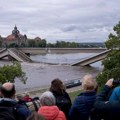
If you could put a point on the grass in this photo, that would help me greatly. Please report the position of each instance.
(74, 94)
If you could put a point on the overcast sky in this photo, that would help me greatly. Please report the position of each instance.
(70, 20)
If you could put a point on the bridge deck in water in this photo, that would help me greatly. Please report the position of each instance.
(92, 59)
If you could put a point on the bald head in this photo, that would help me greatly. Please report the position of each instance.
(8, 90)
(8, 86)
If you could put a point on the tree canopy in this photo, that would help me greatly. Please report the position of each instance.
(8, 73)
(112, 61)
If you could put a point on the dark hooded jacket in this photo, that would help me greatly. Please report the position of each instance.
(63, 102)
(21, 109)
(107, 110)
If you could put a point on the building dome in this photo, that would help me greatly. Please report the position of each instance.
(15, 31)
(15, 34)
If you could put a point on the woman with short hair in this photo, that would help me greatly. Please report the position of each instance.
(48, 108)
(84, 102)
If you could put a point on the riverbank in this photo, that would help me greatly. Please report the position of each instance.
(37, 93)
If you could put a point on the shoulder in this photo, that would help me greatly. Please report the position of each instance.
(61, 115)
(78, 101)
(117, 89)
(84, 98)
(23, 110)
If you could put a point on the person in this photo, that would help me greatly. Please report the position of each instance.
(48, 108)
(63, 100)
(8, 93)
(115, 95)
(19, 99)
(105, 109)
(34, 104)
(35, 116)
(84, 102)
(27, 97)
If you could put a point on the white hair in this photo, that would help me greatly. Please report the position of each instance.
(88, 82)
(47, 99)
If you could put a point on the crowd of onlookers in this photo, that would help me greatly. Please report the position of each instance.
(56, 104)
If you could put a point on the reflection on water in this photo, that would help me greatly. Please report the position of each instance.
(40, 74)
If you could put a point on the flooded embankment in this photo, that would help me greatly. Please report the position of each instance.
(41, 74)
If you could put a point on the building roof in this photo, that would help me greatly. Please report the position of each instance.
(37, 38)
(12, 37)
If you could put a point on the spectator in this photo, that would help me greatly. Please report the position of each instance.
(8, 100)
(48, 108)
(19, 98)
(32, 104)
(107, 110)
(115, 94)
(62, 98)
(84, 102)
(27, 97)
(35, 116)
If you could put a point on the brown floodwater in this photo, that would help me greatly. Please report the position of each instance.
(41, 74)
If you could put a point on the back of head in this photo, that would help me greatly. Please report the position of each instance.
(89, 83)
(7, 90)
(19, 96)
(47, 99)
(57, 86)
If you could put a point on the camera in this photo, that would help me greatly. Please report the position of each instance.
(116, 82)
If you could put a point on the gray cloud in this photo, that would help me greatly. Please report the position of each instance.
(70, 20)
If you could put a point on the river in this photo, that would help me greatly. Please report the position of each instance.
(40, 74)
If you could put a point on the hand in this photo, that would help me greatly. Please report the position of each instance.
(109, 82)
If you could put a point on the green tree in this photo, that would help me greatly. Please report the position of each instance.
(13, 45)
(112, 61)
(8, 73)
(42, 43)
(31, 43)
(64, 44)
(50, 45)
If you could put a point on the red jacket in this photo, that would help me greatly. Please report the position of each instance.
(51, 113)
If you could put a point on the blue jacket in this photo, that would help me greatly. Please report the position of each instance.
(108, 110)
(82, 106)
(115, 94)
(22, 110)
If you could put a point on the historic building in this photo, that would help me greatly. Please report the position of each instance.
(16, 38)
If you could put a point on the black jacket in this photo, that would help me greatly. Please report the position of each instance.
(63, 102)
(108, 110)
(22, 110)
